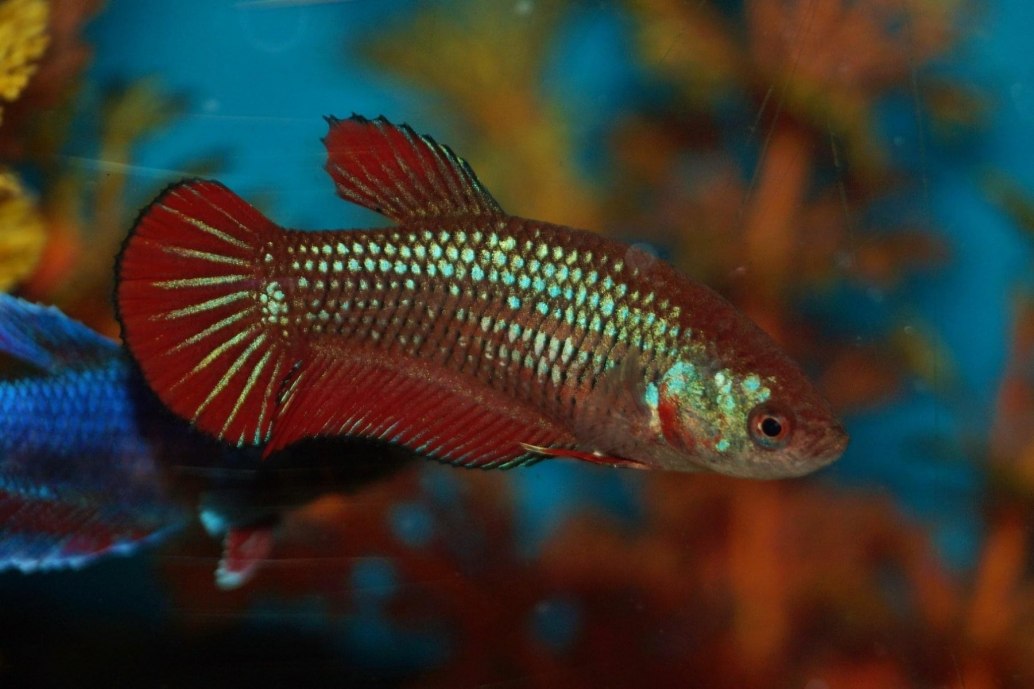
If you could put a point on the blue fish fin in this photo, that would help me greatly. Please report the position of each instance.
(48, 339)
(41, 532)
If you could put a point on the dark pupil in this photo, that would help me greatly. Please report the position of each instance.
(771, 427)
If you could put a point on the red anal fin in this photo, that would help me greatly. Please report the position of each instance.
(393, 170)
(197, 312)
(431, 411)
(593, 457)
(244, 551)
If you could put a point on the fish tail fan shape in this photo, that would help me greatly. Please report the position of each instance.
(199, 311)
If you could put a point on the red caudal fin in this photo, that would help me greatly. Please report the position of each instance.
(393, 170)
(190, 294)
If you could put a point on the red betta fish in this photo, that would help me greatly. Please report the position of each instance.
(471, 336)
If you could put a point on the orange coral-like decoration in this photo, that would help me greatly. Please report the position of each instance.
(23, 39)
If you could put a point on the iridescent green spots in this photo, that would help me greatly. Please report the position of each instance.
(542, 251)
(375, 248)
(507, 278)
(515, 332)
(410, 284)
(722, 445)
(476, 273)
(302, 282)
(554, 291)
(400, 267)
(452, 253)
(751, 384)
(508, 244)
(523, 281)
(309, 265)
(651, 395)
(467, 254)
(538, 284)
(341, 248)
(549, 270)
(436, 252)
(445, 268)
(681, 379)
(542, 307)
(516, 262)
(370, 264)
(539, 344)
(353, 264)
(607, 305)
(513, 302)
(454, 290)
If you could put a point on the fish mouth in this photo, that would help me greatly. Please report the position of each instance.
(830, 447)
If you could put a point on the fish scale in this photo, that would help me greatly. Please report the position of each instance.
(473, 336)
(473, 315)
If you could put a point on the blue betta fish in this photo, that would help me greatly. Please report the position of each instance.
(89, 459)
(79, 435)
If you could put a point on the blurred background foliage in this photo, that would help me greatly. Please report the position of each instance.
(785, 152)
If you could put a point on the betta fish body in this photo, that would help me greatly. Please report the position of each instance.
(471, 336)
(79, 477)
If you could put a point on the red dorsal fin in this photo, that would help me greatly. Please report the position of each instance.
(393, 170)
(190, 289)
(431, 411)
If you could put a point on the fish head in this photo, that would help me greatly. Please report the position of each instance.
(764, 421)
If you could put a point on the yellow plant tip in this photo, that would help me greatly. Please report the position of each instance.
(22, 233)
(23, 40)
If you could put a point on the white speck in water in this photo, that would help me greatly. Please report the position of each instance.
(522, 8)
(899, 141)
(211, 105)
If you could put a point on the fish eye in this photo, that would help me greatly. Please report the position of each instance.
(770, 428)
